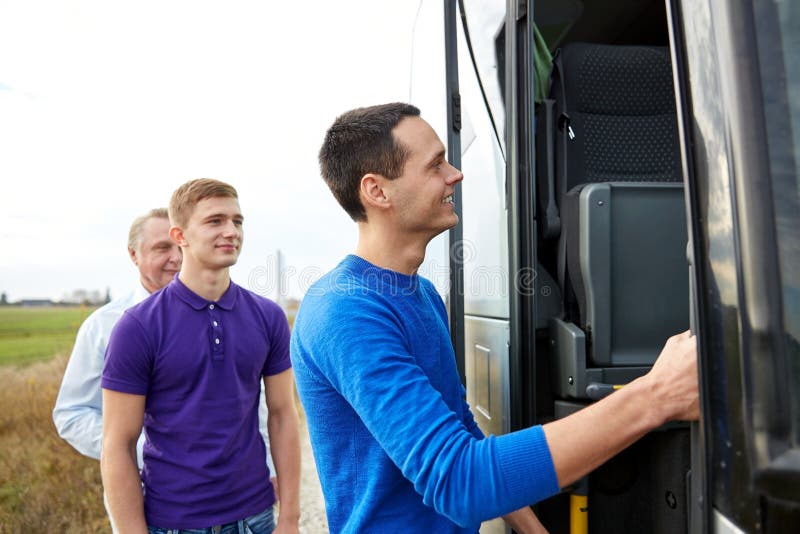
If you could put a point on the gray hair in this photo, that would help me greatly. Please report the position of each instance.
(135, 233)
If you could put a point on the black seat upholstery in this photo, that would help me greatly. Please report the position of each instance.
(611, 194)
(612, 119)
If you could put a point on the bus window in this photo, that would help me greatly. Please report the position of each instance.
(778, 35)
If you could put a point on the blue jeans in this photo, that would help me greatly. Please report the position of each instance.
(263, 523)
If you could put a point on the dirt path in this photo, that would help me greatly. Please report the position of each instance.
(312, 504)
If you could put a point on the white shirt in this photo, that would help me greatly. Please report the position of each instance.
(78, 413)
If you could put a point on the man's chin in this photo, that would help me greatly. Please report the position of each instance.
(452, 224)
(442, 229)
(227, 262)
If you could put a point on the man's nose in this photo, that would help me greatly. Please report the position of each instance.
(230, 229)
(455, 175)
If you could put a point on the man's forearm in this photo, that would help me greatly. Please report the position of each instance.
(588, 438)
(525, 521)
(123, 487)
(284, 437)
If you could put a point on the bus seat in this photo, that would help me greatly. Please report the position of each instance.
(610, 117)
(627, 267)
(611, 195)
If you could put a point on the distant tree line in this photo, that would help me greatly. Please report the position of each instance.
(78, 297)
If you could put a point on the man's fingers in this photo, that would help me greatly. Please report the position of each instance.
(688, 341)
(683, 336)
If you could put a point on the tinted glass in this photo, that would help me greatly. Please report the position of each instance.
(778, 27)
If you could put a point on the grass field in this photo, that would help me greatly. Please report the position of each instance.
(33, 334)
(45, 485)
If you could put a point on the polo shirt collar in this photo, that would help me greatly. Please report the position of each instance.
(226, 301)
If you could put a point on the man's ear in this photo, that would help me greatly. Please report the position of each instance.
(372, 192)
(176, 234)
(132, 254)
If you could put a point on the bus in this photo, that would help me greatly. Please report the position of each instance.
(631, 171)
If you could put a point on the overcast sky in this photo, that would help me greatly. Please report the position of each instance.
(106, 107)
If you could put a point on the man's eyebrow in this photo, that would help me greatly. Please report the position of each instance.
(436, 157)
(236, 216)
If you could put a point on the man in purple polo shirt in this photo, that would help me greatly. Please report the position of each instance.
(186, 365)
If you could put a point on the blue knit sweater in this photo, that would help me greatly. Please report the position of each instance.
(395, 443)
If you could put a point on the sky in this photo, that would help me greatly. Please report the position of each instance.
(107, 106)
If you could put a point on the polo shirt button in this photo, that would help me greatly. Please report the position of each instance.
(215, 323)
(216, 341)
(210, 306)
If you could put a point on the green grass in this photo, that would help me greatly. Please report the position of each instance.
(33, 334)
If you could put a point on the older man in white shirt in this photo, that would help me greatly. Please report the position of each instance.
(78, 413)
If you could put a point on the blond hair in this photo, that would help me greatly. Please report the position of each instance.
(186, 197)
(135, 233)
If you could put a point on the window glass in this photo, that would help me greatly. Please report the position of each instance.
(778, 28)
(485, 25)
(485, 219)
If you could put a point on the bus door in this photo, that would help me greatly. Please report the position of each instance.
(611, 235)
(738, 76)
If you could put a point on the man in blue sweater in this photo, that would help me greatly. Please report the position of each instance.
(395, 443)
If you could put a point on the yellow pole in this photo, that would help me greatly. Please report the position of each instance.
(579, 508)
(578, 514)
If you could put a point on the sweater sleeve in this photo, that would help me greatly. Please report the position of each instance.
(361, 351)
(469, 418)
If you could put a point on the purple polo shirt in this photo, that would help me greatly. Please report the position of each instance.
(199, 364)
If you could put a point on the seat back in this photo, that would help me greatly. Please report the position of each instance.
(627, 266)
(615, 178)
(610, 117)
(616, 115)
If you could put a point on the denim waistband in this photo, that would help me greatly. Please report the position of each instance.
(258, 523)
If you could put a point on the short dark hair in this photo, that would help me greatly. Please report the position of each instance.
(360, 141)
